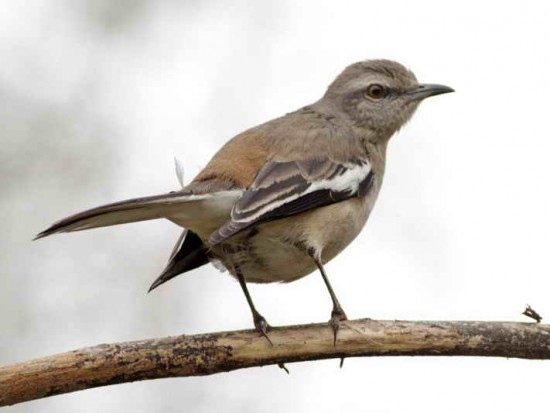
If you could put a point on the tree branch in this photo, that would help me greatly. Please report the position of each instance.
(204, 354)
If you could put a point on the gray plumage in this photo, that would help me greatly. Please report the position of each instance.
(280, 199)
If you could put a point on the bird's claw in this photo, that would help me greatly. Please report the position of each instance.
(336, 316)
(262, 326)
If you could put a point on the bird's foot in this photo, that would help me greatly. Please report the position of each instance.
(262, 326)
(337, 316)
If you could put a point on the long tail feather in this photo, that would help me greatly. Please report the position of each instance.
(132, 210)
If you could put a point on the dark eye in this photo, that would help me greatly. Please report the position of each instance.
(375, 91)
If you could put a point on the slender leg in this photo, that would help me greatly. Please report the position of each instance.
(259, 321)
(338, 313)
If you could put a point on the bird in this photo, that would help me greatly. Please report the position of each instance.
(280, 200)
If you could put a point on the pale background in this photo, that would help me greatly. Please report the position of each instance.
(96, 97)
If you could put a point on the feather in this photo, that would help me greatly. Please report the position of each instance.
(187, 208)
(189, 253)
(283, 189)
(179, 171)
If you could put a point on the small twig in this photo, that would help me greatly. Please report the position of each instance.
(205, 354)
(282, 366)
(529, 312)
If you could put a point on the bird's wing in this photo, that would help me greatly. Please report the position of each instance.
(282, 189)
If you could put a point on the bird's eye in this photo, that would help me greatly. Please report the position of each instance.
(375, 91)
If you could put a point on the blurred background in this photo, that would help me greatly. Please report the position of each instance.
(96, 98)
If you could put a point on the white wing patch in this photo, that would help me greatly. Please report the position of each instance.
(348, 181)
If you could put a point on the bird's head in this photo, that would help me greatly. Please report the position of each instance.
(379, 96)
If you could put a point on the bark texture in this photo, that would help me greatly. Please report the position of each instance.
(204, 354)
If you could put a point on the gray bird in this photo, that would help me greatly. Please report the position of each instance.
(280, 200)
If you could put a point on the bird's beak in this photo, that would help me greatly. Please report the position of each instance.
(425, 90)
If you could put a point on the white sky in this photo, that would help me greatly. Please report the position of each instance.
(96, 99)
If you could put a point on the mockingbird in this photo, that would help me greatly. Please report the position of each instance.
(281, 199)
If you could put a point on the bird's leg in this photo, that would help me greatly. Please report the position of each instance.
(259, 321)
(338, 313)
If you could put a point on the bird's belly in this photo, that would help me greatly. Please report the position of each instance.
(274, 260)
(279, 251)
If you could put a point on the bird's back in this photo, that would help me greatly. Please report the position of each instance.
(310, 130)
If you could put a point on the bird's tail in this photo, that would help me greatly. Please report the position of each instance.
(185, 207)
(189, 253)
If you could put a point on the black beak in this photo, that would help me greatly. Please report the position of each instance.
(425, 90)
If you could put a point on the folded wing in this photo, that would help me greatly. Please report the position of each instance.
(282, 189)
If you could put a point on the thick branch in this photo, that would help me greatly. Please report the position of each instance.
(205, 354)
